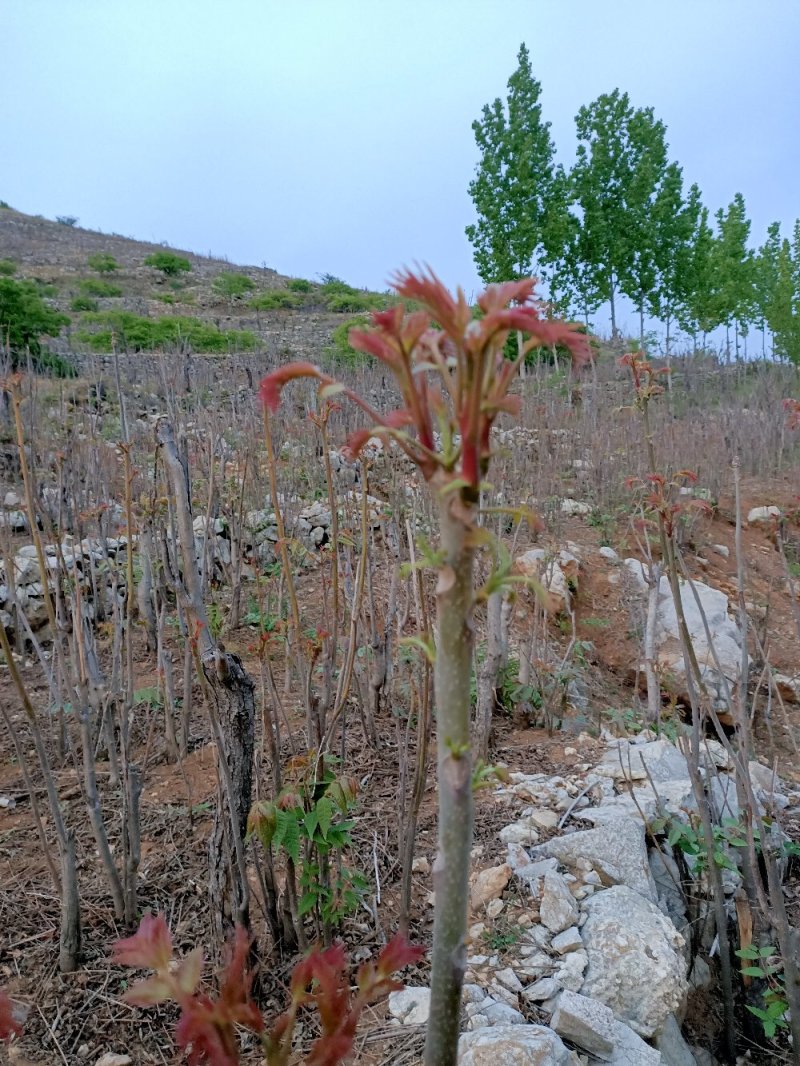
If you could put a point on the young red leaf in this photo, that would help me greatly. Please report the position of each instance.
(9, 1026)
(149, 948)
(151, 992)
(198, 1031)
(272, 385)
(236, 983)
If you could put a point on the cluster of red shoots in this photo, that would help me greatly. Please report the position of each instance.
(207, 1026)
(449, 363)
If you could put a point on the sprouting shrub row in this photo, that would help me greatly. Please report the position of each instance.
(135, 333)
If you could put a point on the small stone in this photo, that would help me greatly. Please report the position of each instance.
(542, 989)
(519, 833)
(489, 885)
(569, 940)
(763, 515)
(112, 1059)
(513, 1045)
(410, 1005)
(570, 972)
(508, 979)
(420, 865)
(608, 553)
(721, 549)
(494, 907)
(543, 819)
(557, 909)
(585, 1022)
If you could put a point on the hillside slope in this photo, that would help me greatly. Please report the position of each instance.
(57, 257)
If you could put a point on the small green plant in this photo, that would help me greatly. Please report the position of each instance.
(84, 303)
(767, 967)
(7, 268)
(688, 838)
(98, 287)
(4, 205)
(168, 263)
(308, 823)
(299, 285)
(275, 300)
(233, 286)
(102, 262)
(148, 697)
(67, 220)
(502, 940)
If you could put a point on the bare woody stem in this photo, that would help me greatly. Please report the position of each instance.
(451, 871)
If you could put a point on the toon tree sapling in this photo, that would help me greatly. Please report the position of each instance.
(454, 380)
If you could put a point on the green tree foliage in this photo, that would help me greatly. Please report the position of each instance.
(675, 224)
(734, 268)
(103, 263)
(697, 309)
(24, 319)
(782, 306)
(233, 286)
(621, 158)
(135, 333)
(514, 184)
(168, 263)
(7, 268)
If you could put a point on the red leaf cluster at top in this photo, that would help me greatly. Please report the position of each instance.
(451, 369)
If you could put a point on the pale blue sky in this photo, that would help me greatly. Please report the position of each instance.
(335, 135)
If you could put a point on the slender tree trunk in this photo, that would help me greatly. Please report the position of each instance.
(613, 309)
(229, 692)
(641, 321)
(451, 870)
(487, 675)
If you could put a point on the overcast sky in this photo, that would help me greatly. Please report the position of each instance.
(335, 135)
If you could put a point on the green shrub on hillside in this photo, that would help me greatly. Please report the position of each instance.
(84, 303)
(168, 263)
(98, 287)
(25, 318)
(67, 220)
(102, 262)
(135, 333)
(5, 205)
(274, 300)
(342, 298)
(233, 286)
(299, 285)
(7, 268)
(339, 353)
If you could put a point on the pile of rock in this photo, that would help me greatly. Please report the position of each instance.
(308, 523)
(12, 515)
(98, 565)
(596, 947)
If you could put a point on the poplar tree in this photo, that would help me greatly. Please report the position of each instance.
(698, 308)
(675, 223)
(513, 186)
(783, 314)
(621, 156)
(733, 264)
